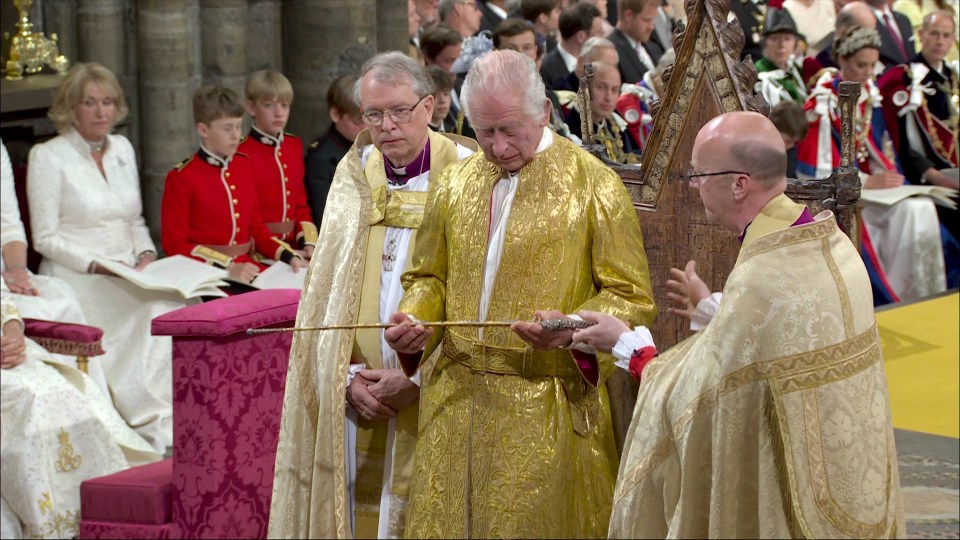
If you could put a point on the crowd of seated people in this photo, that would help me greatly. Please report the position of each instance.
(906, 117)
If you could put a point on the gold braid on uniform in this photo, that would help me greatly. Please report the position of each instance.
(608, 133)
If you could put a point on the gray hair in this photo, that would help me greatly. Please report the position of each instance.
(396, 68)
(592, 45)
(446, 7)
(502, 71)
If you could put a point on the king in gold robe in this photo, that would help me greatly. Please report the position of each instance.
(774, 420)
(334, 478)
(513, 441)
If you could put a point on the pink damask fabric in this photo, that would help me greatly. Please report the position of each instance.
(228, 397)
(137, 495)
(104, 529)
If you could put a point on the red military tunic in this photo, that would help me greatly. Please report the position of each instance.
(278, 176)
(209, 212)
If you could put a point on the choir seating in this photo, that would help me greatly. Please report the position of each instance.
(228, 392)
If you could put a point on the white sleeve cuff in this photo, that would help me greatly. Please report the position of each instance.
(352, 372)
(582, 347)
(705, 311)
(629, 342)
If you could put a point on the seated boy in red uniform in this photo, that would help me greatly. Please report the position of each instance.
(277, 161)
(209, 210)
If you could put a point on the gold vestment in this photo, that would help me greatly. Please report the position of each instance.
(343, 286)
(513, 441)
(774, 420)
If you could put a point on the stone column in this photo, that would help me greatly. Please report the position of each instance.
(323, 39)
(166, 91)
(60, 17)
(392, 26)
(223, 43)
(101, 33)
(102, 38)
(264, 29)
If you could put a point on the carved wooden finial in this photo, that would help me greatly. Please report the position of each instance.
(849, 92)
(583, 99)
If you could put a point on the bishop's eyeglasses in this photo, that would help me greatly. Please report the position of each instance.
(399, 115)
(694, 178)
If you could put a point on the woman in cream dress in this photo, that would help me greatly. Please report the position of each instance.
(36, 297)
(84, 197)
(57, 430)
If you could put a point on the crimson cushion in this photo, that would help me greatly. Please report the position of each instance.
(231, 315)
(137, 495)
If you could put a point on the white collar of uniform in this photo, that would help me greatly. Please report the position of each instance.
(568, 59)
(497, 9)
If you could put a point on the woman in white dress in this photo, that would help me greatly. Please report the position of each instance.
(84, 195)
(905, 235)
(58, 430)
(36, 297)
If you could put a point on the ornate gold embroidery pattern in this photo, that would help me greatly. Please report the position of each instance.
(845, 307)
(60, 524)
(827, 373)
(509, 481)
(68, 460)
(787, 237)
(781, 447)
(632, 478)
(791, 475)
(398, 208)
(813, 367)
(825, 500)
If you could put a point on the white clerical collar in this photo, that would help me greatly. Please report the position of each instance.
(568, 59)
(499, 11)
(545, 141)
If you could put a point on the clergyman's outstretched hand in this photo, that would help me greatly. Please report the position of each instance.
(407, 337)
(686, 289)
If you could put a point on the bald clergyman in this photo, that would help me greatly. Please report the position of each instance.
(773, 420)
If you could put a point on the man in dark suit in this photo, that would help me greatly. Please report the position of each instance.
(635, 24)
(492, 13)
(578, 23)
(855, 13)
(896, 34)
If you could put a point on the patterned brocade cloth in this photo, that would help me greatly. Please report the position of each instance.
(59, 429)
(515, 442)
(330, 476)
(774, 420)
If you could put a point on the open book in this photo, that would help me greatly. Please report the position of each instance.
(280, 276)
(891, 196)
(179, 274)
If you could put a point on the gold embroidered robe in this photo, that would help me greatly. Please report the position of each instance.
(310, 483)
(774, 420)
(513, 441)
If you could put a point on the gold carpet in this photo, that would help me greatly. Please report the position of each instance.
(921, 348)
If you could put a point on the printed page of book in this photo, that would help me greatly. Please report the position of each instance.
(891, 196)
(280, 276)
(181, 274)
